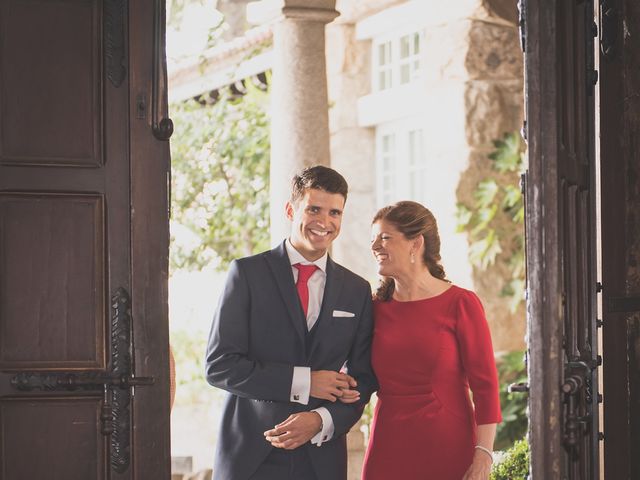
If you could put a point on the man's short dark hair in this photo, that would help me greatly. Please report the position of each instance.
(321, 178)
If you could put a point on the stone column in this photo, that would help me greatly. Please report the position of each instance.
(299, 105)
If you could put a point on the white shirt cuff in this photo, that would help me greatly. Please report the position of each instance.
(328, 428)
(301, 385)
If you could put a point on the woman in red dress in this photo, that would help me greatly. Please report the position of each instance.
(431, 345)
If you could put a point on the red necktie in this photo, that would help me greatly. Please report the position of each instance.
(304, 273)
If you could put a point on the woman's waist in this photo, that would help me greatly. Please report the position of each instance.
(417, 389)
(405, 393)
(427, 402)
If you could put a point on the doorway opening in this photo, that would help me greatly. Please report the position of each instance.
(408, 120)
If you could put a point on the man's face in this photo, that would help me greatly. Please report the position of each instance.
(315, 222)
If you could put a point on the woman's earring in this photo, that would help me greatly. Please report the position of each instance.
(412, 258)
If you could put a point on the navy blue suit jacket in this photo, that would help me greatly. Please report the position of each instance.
(257, 337)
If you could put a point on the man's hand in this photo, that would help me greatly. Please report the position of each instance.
(296, 430)
(330, 385)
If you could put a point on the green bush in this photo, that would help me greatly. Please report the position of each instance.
(511, 369)
(188, 349)
(494, 220)
(515, 465)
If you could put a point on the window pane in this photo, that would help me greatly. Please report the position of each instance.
(382, 57)
(388, 143)
(386, 168)
(405, 46)
(384, 79)
(384, 54)
(409, 57)
(405, 73)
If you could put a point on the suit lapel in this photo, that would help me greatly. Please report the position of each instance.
(278, 261)
(335, 278)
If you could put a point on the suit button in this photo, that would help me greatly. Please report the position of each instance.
(296, 397)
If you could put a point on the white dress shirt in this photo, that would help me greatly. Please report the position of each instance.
(301, 383)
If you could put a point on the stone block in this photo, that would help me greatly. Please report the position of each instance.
(492, 109)
(445, 50)
(493, 52)
(348, 74)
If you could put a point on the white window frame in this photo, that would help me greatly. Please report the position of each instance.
(404, 166)
(392, 70)
(413, 59)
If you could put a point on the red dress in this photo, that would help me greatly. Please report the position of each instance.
(426, 355)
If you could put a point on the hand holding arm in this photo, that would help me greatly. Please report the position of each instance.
(346, 414)
(330, 385)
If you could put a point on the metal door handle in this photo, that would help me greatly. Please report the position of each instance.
(162, 125)
(28, 381)
(114, 384)
(521, 387)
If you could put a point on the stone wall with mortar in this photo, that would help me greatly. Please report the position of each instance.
(472, 95)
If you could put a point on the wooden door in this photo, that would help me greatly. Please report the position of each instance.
(83, 241)
(620, 192)
(560, 236)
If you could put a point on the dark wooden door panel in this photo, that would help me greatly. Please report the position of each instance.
(561, 232)
(52, 308)
(50, 87)
(619, 112)
(67, 288)
(27, 451)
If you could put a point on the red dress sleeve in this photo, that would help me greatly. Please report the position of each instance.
(474, 339)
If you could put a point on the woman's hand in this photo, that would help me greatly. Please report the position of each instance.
(349, 395)
(480, 467)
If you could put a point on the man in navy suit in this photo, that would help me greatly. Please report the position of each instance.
(291, 335)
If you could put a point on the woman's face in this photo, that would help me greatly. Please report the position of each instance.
(391, 249)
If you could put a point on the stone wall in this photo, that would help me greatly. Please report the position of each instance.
(494, 105)
(473, 94)
(352, 147)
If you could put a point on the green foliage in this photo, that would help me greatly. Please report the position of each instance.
(511, 369)
(188, 349)
(495, 219)
(515, 465)
(220, 182)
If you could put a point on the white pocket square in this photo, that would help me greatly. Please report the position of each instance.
(340, 313)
